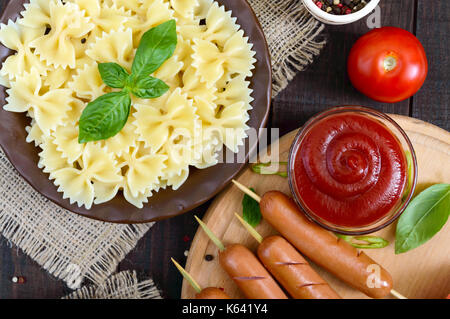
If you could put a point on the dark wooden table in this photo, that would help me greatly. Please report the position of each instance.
(322, 85)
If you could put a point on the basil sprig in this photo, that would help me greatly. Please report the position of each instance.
(107, 115)
(425, 216)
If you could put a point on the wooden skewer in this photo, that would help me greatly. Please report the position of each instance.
(397, 295)
(250, 229)
(211, 235)
(247, 191)
(187, 276)
(256, 197)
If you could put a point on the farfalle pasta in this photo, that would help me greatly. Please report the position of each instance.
(52, 75)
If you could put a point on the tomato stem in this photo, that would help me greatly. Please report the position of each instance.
(390, 63)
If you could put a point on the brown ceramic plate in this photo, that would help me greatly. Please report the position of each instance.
(201, 184)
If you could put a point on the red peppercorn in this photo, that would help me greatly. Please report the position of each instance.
(348, 11)
(186, 238)
(319, 4)
(340, 5)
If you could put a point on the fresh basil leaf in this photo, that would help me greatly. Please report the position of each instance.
(104, 117)
(156, 46)
(113, 75)
(425, 215)
(251, 211)
(148, 87)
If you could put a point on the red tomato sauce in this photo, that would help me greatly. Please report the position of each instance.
(350, 170)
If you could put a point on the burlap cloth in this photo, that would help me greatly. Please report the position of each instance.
(76, 249)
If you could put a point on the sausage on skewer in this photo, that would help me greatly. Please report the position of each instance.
(245, 269)
(322, 247)
(207, 293)
(290, 269)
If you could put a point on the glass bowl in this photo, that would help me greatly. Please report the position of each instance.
(411, 174)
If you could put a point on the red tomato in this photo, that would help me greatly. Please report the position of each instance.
(387, 64)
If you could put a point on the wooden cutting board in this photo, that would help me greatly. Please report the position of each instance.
(420, 273)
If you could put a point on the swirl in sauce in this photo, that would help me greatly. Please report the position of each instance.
(350, 170)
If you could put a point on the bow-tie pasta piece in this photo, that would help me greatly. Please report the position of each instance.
(17, 38)
(201, 11)
(96, 165)
(116, 46)
(211, 146)
(49, 108)
(212, 62)
(137, 201)
(104, 192)
(106, 17)
(193, 87)
(189, 32)
(50, 159)
(37, 14)
(135, 6)
(239, 55)
(228, 120)
(184, 52)
(157, 118)
(181, 152)
(91, 7)
(67, 26)
(220, 25)
(58, 77)
(155, 13)
(35, 134)
(235, 90)
(169, 72)
(66, 140)
(142, 171)
(74, 114)
(87, 83)
(184, 9)
(124, 140)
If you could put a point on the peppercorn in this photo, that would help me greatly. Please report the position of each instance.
(18, 279)
(340, 7)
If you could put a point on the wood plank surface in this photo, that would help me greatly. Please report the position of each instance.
(322, 85)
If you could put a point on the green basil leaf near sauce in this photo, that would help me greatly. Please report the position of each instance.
(113, 75)
(104, 117)
(425, 215)
(148, 87)
(251, 211)
(156, 46)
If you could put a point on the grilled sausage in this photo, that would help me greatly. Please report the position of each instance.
(335, 255)
(212, 293)
(292, 271)
(249, 274)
